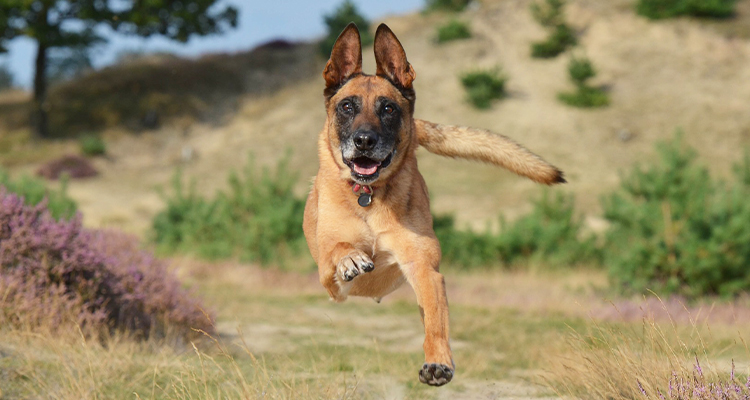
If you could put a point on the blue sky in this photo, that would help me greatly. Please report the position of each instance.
(259, 21)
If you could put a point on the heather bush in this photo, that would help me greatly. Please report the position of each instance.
(659, 9)
(484, 86)
(453, 30)
(580, 71)
(54, 273)
(551, 15)
(34, 191)
(258, 219)
(75, 167)
(346, 13)
(675, 230)
(551, 233)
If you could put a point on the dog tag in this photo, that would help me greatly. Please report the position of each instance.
(365, 199)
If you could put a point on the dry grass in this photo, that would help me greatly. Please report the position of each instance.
(646, 359)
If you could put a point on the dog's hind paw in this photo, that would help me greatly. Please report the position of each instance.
(435, 374)
(353, 264)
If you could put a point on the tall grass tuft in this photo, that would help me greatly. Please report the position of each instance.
(258, 219)
(57, 274)
(648, 361)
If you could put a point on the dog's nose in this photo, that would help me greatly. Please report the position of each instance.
(365, 140)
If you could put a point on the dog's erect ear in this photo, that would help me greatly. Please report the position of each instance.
(391, 58)
(346, 57)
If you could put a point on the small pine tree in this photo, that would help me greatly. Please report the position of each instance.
(551, 16)
(580, 71)
(338, 20)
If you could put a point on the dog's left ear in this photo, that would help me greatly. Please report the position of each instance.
(390, 58)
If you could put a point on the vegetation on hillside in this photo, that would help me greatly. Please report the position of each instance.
(581, 71)
(258, 219)
(675, 230)
(484, 86)
(453, 30)
(551, 15)
(76, 26)
(345, 14)
(660, 9)
(446, 5)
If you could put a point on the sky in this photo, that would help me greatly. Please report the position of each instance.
(259, 21)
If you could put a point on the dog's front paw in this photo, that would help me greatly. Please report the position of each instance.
(353, 264)
(435, 374)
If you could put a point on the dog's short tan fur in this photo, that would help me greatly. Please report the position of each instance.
(371, 251)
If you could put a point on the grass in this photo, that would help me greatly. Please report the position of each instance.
(280, 337)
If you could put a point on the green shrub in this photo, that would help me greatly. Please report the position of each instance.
(92, 145)
(447, 5)
(453, 30)
(338, 20)
(483, 86)
(659, 9)
(258, 219)
(674, 230)
(581, 70)
(34, 191)
(561, 36)
(550, 233)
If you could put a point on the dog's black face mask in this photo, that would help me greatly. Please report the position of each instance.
(368, 135)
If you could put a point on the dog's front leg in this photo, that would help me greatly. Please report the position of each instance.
(345, 262)
(421, 258)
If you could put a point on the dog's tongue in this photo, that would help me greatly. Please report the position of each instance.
(366, 168)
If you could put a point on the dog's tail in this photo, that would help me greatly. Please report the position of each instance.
(481, 145)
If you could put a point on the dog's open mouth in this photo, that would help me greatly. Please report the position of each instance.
(366, 169)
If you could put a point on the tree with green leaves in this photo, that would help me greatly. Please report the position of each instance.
(77, 24)
(338, 20)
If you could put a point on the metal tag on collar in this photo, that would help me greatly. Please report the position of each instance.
(365, 199)
(365, 194)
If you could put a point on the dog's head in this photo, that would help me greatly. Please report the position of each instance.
(369, 116)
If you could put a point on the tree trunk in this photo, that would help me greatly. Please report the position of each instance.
(39, 119)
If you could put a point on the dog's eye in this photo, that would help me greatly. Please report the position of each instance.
(388, 109)
(347, 106)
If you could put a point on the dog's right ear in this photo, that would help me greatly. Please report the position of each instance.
(346, 58)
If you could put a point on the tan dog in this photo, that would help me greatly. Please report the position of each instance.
(367, 219)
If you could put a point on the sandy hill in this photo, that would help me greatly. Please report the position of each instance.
(661, 76)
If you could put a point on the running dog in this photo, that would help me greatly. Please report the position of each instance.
(367, 219)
